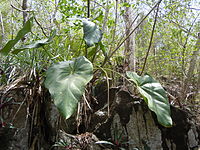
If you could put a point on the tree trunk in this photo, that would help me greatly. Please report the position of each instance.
(2, 29)
(24, 7)
(192, 66)
(130, 42)
(198, 70)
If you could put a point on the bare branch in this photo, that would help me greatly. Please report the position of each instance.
(20, 9)
(183, 28)
(151, 39)
(194, 8)
(40, 26)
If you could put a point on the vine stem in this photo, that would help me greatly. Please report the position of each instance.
(151, 39)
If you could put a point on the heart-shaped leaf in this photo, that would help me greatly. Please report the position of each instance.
(66, 82)
(154, 95)
(26, 28)
(92, 34)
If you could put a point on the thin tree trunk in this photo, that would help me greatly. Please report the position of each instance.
(24, 7)
(192, 66)
(2, 29)
(130, 42)
(198, 70)
(25, 14)
(105, 17)
(88, 8)
(198, 82)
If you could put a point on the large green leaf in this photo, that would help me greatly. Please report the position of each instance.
(66, 82)
(154, 95)
(36, 44)
(92, 34)
(26, 28)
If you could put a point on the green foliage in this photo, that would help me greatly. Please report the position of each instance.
(26, 29)
(92, 34)
(72, 8)
(36, 44)
(154, 95)
(171, 48)
(66, 82)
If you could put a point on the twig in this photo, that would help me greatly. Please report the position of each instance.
(194, 8)
(98, 4)
(183, 28)
(117, 73)
(151, 39)
(20, 9)
(18, 109)
(84, 97)
(40, 26)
